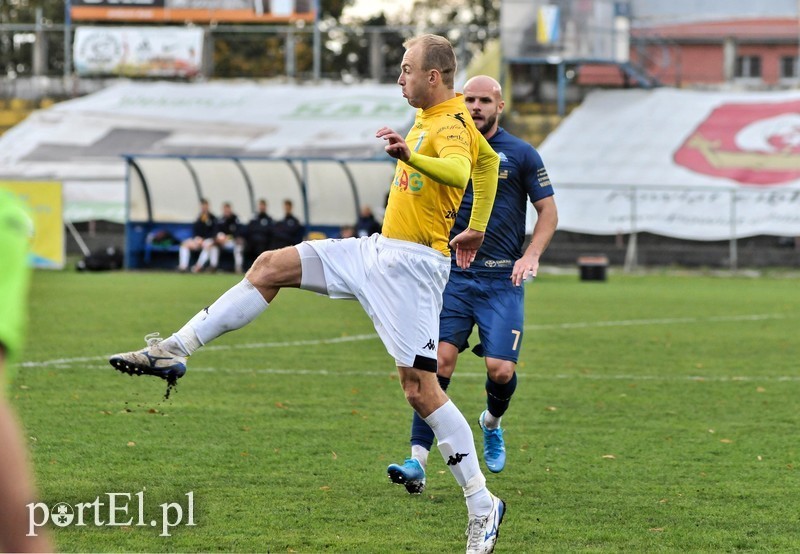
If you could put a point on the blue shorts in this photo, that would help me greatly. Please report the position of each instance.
(492, 303)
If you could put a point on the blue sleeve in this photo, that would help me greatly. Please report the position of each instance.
(538, 184)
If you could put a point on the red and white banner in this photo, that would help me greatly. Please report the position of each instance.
(686, 164)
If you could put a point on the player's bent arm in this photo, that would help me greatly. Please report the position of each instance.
(484, 185)
(545, 227)
(451, 170)
(546, 223)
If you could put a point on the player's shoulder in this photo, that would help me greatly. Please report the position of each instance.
(514, 147)
(506, 139)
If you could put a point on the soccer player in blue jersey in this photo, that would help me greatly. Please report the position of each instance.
(489, 293)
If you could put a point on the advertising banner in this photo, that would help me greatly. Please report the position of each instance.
(686, 164)
(198, 11)
(138, 51)
(45, 205)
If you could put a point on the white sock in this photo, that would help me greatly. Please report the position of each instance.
(491, 422)
(457, 446)
(202, 258)
(183, 257)
(238, 258)
(214, 255)
(240, 305)
(421, 454)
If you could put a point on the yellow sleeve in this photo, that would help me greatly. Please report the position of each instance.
(452, 170)
(484, 185)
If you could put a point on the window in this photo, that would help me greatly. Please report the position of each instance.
(748, 67)
(789, 67)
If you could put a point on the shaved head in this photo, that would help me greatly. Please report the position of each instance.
(486, 84)
(484, 100)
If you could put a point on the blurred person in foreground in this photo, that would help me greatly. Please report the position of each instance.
(398, 276)
(490, 293)
(16, 480)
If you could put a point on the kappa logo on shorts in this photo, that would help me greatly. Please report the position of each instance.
(430, 345)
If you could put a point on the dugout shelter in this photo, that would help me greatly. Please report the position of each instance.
(163, 195)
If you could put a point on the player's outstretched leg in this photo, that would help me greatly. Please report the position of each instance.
(152, 360)
(166, 359)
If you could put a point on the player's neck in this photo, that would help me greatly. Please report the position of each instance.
(438, 96)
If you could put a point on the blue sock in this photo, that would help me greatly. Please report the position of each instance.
(421, 432)
(498, 396)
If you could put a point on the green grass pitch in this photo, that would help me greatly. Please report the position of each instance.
(653, 413)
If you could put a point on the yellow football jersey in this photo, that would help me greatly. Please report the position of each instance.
(420, 209)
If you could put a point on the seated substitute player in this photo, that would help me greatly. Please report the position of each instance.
(16, 483)
(489, 294)
(397, 276)
(228, 236)
(202, 231)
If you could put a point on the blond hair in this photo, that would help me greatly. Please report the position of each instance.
(438, 54)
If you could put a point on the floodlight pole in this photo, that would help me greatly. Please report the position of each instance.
(317, 42)
(67, 38)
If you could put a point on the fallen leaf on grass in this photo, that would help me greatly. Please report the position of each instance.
(726, 441)
(761, 389)
(657, 529)
(324, 488)
(334, 455)
(551, 408)
(131, 443)
(609, 457)
(280, 405)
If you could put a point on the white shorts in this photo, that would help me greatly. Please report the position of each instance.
(400, 286)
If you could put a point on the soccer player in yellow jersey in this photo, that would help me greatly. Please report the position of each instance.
(398, 276)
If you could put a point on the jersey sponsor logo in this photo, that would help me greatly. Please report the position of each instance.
(419, 141)
(543, 178)
(503, 174)
(450, 127)
(497, 263)
(415, 182)
(460, 138)
(403, 180)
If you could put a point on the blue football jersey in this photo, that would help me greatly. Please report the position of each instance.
(522, 178)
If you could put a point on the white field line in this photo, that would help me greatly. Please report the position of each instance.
(63, 362)
(389, 373)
